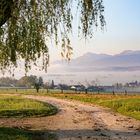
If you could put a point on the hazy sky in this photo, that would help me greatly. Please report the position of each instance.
(122, 31)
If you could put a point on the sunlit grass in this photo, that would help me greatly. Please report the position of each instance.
(125, 104)
(13, 106)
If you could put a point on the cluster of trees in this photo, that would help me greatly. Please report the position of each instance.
(31, 81)
(7, 82)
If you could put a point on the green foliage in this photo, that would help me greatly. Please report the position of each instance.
(27, 81)
(27, 26)
(20, 107)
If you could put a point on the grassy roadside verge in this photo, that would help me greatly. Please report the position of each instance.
(14, 106)
(126, 105)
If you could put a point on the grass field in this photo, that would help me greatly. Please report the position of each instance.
(125, 104)
(14, 106)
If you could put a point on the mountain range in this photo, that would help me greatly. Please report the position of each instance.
(127, 60)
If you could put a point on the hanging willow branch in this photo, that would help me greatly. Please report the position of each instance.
(28, 25)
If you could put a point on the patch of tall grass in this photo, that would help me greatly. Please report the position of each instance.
(14, 106)
(129, 107)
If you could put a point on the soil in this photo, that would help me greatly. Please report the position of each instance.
(78, 121)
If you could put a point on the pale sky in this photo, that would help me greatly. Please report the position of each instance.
(122, 31)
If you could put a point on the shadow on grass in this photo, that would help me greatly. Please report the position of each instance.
(85, 134)
(28, 112)
(21, 134)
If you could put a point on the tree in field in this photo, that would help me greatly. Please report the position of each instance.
(37, 87)
(27, 26)
(38, 83)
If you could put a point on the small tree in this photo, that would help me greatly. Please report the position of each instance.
(37, 87)
(38, 84)
(40, 81)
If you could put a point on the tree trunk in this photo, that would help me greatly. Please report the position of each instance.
(37, 90)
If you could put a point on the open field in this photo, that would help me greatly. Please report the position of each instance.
(125, 104)
(78, 117)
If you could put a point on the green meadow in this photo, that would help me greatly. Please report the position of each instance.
(16, 106)
(125, 104)
(12, 104)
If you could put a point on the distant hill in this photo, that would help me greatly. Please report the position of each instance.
(129, 52)
(125, 61)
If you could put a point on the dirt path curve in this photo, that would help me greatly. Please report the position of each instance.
(78, 121)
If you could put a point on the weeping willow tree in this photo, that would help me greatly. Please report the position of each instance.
(26, 26)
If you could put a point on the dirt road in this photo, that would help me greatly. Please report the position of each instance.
(78, 121)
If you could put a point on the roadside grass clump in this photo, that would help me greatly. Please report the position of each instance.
(16, 106)
(129, 107)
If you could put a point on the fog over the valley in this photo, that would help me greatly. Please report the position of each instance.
(90, 68)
